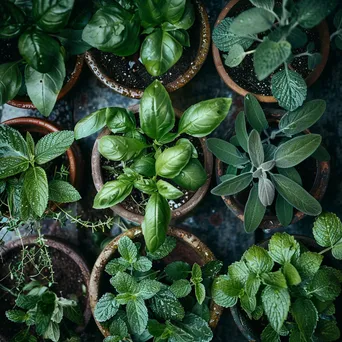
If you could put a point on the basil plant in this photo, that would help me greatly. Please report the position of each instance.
(286, 287)
(25, 188)
(119, 26)
(45, 37)
(262, 160)
(155, 156)
(277, 36)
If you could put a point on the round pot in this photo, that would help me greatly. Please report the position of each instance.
(251, 329)
(95, 64)
(24, 102)
(198, 252)
(324, 38)
(44, 127)
(53, 243)
(317, 190)
(176, 213)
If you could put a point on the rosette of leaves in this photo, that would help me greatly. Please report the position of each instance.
(155, 157)
(47, 35)
(263, 160)
(147, 302)
(24, 184)
(275, 32)
(39, 308)
(337, 35)
(286, 287)
(119, 26)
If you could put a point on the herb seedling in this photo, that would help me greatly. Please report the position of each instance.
(147, 155)
(263, 161)
(288, 285)
(167, 304)
(117, 27)
(276, 33)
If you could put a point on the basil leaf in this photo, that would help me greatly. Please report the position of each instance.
(72, 41)
(11, 80)
(156, 221)
(168, 191)
(233, 185)
(145, 166)
(188, 18)
(148, 186)
(155, 52)
(38, 49)
(202, 118)
(284, 211)
(255, 149)
(90, 124)
(112, 193)
(254, 113)
(119, 120)
(62, 192)
(13, 20)
(188, 142)
(181, 36)
(51, 16)
(156, 113)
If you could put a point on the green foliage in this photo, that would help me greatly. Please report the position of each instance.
(263, 161)
(296, 291)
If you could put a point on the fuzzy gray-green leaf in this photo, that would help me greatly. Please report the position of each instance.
(254, 113)
(255, 149)
(284, 211)
(266, 191)
(235, 56)
(233, 185)
(241, 131)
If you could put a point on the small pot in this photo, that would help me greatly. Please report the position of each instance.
(198, 252)
(44, 127)
(53, 243)
(24, 102)
(251, 329)
(95, 66)
(176, 213)
(318, 190)
(324, 38)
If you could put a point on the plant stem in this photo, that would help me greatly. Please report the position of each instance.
(249, 52)
(335, 34)
(325, 250)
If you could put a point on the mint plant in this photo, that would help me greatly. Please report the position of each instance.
(262, 161)
(25, 189)
(46, 38)
(337, 35)
(166, 304)
(120, 26)
(152, 152)
(286, 287)
(275, 32)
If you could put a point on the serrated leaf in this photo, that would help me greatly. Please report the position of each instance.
(283, 247)
(200, 292)
(45, 309)
(17, 316)
(127, 249)
(258, 260)
(52, 332)
(26, 302)
(233, 185)
(201, 311)
(181, 288)
(178, 270)
(269, 335)
(235, 56)
(254, 113)
(119, 328)
(239, 271)
(148, 288)
(137, 315)
(106, 307)
(143, 264)
(252, 285)
(62, 192)
(124, 283)
(327, 229)
(164, 250)
(196, 273)
(328, 330)
(308, 264)
(221, 292)
(337, 251)
(275, 279)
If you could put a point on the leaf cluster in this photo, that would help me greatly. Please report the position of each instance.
(264, 161)
(286, 284)
(153, 151)
(117, 27)
(143, 306)
(47, 33)
(279, 30)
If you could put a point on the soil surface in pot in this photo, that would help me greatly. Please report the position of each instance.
(130, 72)
(68, 284)
(244, 74)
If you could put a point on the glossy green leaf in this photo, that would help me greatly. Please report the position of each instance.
(11, 80)
(90, 124)
(164, 250)
(168, 191)
(222, 291)
(181, 288)
(147, 186)
(72, 41)
(181, 36)
(233, 185)
(328, 330)
(145, 166)
(13, 20)
(254, 113)
(291, 274)
(188, 17)
(194, 153)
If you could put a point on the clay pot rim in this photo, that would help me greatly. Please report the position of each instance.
(176, 213)
(108, 252)
(324, 38)
(182, 80)
(317, 190)
(24, 101)
(55, 243)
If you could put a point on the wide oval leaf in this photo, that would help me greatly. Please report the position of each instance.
(120, 120)
(90, 124)
(168, 191)
(233, 185)
(11, 80)
(235, 56)
(13, 20)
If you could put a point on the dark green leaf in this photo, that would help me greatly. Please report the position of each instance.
(254, 113)
(292, 174)
(258, 260)
(17, 316)
(72, 41)
(145, 166)
(13, 20)
(308, 264)
(119, 120)
(255, 149)
(116, 265)
(241, 131)
(11, 80)
(284, 211)
(181, 36)
(168, 191)
(275, 279)
(137, 315)
(178, 270)
(62, 192)
(124, 283)
(233, 185)
(164, 250)
(106, 308)
(297, 38)
(45, 309)
(212, 268)
(188, 18)
(327, 330)
(201, 311)
(321, 154)
(269, 335)
(181, 288)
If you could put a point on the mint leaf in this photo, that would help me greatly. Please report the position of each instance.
(337, 251)
(137, 315)
(164, 250)
(252, 285)
(308, 264)
(155, 328)
(142, 264)
(181, 288)
(124, 283)
(248, 303)
(200, 292)
(116, 265)
(275, 279)
(27, 302)
(24, 336)
(291, 274)
(17, 316)
(62, 192)
(106, 307)
(52, 332)
(45, 309)
(258, 260)
(283, 247)
(201, 310)
(196, 274)
(269, 335)
(239, 271)
(327, 229)
(177, 334)
(128, 250)
(223, 293)
(118, 328)
(327, 330)
(178, 270)
(147, 288)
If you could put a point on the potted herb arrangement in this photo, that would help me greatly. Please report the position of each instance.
(39, 44)
(162, 295)
(274, 165)
(153, 160)
(285, 289)
(274, 49)
(136, 41)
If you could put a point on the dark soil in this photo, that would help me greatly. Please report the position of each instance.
(130, 72)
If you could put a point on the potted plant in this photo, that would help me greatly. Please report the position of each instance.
(136, 41)
(268, 173)
(162, 294)
(41, 297)
(286, 44)
(285, 289)
(30, 177)
(151, 161)
(38, 55)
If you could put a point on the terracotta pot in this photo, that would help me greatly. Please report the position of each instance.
(42, 126)
(251, 329)
(176, 213)
(181, 81)
(24, 102)
(70, 253)
(198, 252)
(324, 38)
(318, 190)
